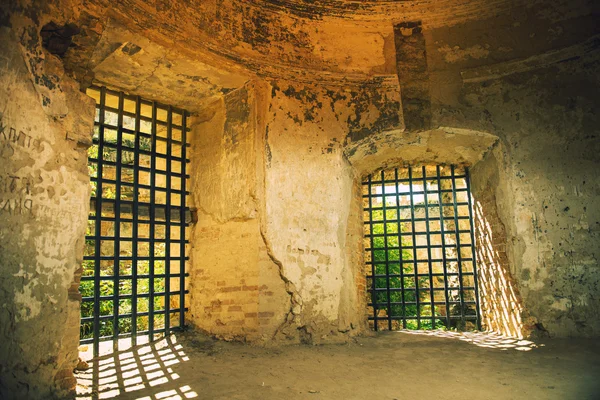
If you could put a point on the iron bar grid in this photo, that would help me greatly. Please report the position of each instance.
(133, 280)
(419, 249)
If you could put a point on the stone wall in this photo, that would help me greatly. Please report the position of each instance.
(501, 305)
(311, 210)
(44, 200)
(236, 288)
(538, 95)
(277, 161)
(269, 255)
(527, 78)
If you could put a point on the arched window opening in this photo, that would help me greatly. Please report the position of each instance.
(419, 249)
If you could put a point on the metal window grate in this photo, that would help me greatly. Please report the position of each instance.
(133, 280)
(419, 249)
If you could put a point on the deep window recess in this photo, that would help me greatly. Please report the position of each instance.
(133, 281)
(419, 249)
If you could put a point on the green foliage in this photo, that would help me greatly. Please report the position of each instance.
(107, 307)
(106, 288)
(392, 266)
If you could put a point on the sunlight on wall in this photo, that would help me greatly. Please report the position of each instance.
(501, 308)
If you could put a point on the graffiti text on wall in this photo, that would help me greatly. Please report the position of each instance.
(11, 186)
(11, 138)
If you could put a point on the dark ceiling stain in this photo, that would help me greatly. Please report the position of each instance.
(57, 39)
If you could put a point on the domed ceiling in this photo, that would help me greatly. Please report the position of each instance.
(217, 45)
(334, 39)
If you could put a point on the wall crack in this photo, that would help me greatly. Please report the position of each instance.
(295, 298)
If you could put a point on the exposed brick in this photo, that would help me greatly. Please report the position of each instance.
(265, 314)
(230, 289)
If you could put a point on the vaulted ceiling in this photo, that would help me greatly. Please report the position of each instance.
(217, 45)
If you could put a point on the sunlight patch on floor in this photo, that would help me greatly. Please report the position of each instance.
(137, 368)
(490, 340)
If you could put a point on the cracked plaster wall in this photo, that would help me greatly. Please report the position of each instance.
(44, 200)
(273, 178)
(501, 306)
(236, 288)
(548, 198)
(531, 78)
(309, 192)
(270, 258)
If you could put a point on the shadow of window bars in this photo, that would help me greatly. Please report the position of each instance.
(491, 340)
(143, 372)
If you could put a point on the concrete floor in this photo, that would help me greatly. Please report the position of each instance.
(393, 365)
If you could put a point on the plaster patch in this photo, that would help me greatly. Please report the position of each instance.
(28, 307)
(562, 305)
(455, 54)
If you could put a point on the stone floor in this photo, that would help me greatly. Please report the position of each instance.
(393, 365)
